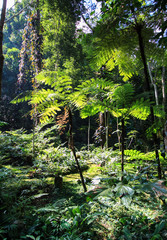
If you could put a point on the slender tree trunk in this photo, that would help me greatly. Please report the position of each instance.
(118, 136)
(71, 146)
(33, 140)
(165, 136)
(163, 89)
(106, 123)
(88, 133)
(154, 85)
(3, 14)
(122, 146)
(38, 68)
(164, 107)
(146, 74)
(102, 129)
(39, 39)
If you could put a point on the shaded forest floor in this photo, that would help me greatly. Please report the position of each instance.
(32, 208)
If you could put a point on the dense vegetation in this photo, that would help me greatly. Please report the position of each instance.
(83, 124)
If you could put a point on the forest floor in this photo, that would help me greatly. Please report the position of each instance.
(29, 200)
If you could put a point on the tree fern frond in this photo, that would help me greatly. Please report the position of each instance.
(158, 111)
(42, 96)
(85, 85)
(22, 97)
(112, 51)
(49, 113)
(123, 95)
(120, 112)
(126, 64)
(91, 110)
(140, 109)
(46, 77)
(78, 99)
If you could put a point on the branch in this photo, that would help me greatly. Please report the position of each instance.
(83, 17)
(13, 5)
(15, 15)
(86, 22)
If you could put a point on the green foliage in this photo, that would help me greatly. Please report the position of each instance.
(99, 95)
(49, 101)
(111, 208)
(14, 147)
(59, 44)
(22, 97)
(58, 160)
(134, 208)
(138, 155)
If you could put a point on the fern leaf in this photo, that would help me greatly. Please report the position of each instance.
(22, 97)
(140, 109)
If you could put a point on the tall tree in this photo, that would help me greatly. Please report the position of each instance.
(2, 20)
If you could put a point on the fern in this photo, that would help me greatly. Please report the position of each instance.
(114, 49)
(140, 109)
(22, 97)
(123, 95)
(41, 96)
(158, 111)
(91, 110)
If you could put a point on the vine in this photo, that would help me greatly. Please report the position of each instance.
(30, 54)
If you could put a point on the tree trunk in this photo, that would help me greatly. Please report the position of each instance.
(39, 39)
(164, 107)
(107, 127)
(122, 146)
(102, 129)
(38, 68)
(118, 135)
(163, 89)
(154, 85)
(33, 140)
(165, 136)
(71, 146)
(88, 133)
(146, 74)
(3, 14)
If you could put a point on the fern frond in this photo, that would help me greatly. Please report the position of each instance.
(120, 112)
(42, 96)
(49, 112)
(123, 95)
(158, 111)
(91, 109)
(22, 97)
(126, 64)
(140, 109)
(79, 99)
(112, 51)
(46, 77)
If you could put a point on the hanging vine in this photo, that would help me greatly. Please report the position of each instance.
(30, 54)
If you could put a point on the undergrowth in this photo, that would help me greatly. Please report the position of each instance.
(32, 208)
